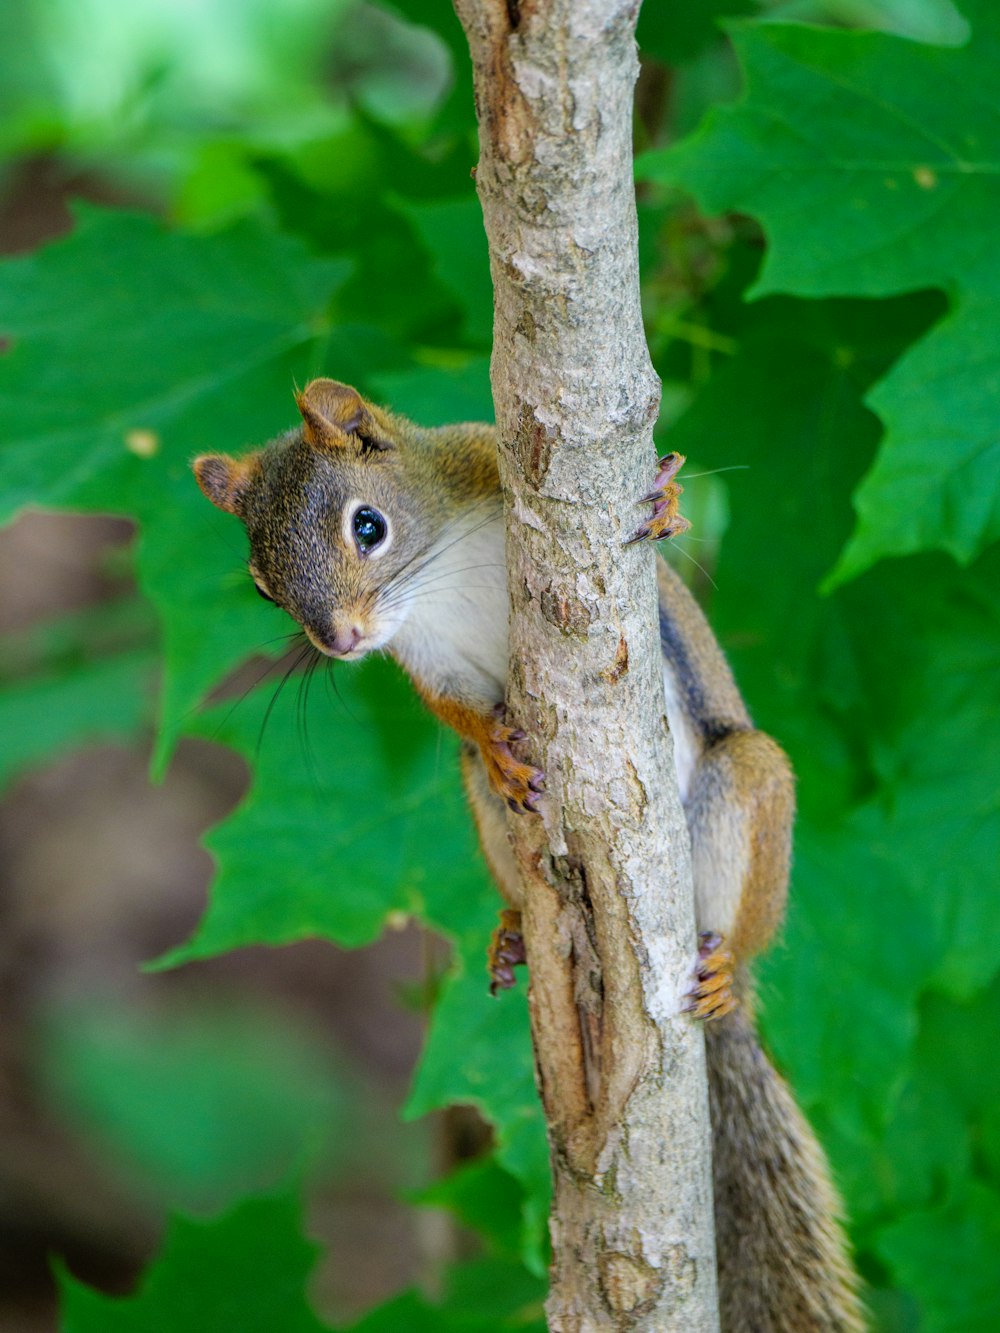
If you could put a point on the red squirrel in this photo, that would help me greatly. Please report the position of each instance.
(364, 527)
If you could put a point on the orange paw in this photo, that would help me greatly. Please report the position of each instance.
(506, 951)
(665, 497)
(712, 994)
(518, 783)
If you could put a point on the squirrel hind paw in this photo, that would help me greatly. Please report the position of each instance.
(666, 519)
(711, 996)
(506, 951)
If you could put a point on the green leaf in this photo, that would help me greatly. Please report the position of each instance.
(483, 1196)
(931, 660)
(105, 700)
(943, 1127)
(872, 167)
(948, 1257)
(435, 395)
(478, 1053)
(923, 1149)
(955, 1050)
(171, 345)
(409, 1311)
(315, 194)
(358, 817)
(80, 678)
(934, 483)
(246, 1270)
(481, 1296)
(482, 1289)
(144, 84)
(934, 21)
(75, 637)
(677, 30)
(196, 1107)
(841, 1008)
(357, 821)
(456, 114)
(397, 71)
(452, 232)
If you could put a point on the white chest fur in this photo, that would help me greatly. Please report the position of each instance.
(454, 637)
(686, 744)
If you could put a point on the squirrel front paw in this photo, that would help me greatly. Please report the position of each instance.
(518, 783)
(712, 996)
(506, 951)
(665, 497)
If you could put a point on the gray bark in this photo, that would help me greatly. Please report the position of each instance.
(609, 920)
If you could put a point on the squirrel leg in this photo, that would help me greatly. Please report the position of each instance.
(519, 784)
(506, 949)
(490, 815)
(739, 811)
(665, 497)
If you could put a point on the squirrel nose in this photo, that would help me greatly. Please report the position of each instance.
(344, 640)
(337, 641)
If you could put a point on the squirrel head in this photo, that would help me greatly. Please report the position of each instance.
(340, 514)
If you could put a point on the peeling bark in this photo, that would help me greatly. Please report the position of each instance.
(609, 917)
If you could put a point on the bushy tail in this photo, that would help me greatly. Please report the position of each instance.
(783, 1265)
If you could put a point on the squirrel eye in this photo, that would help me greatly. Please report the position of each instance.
(369, 528)
(261, 593)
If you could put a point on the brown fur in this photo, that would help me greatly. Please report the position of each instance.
(740, 812)
(782, 1254)
(224, 480)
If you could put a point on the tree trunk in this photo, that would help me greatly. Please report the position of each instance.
(609, 920)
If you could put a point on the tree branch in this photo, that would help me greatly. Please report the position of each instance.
(609, 918)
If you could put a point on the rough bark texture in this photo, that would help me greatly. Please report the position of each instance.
(609, 921)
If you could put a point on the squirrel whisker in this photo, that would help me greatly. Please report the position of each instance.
(407, 592)
(261, 675)
(697, 563)
(429, 554)
(296, 663)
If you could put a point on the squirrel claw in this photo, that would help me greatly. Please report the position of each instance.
(518, 783)
(506, 951)
(666, 520)
(712, 994)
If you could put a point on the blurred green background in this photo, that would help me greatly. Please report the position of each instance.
(202, 204)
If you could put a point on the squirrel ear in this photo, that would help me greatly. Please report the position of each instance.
(330, 409)
(223, 480)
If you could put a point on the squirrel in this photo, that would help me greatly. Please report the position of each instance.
(372, 532)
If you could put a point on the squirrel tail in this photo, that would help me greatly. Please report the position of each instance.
(783, 1262)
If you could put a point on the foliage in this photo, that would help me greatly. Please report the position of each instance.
(832, 335)
(247, 1269)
